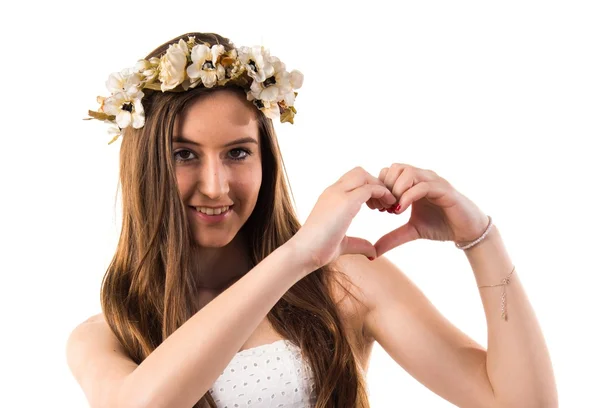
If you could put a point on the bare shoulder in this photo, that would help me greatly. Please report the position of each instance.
(369, 279)
(94, 329)
(354, 273)
(373, 276)
(97, 360)
(93, 335)
(351, 290)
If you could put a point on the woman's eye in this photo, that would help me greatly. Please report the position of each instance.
(243, 157)
(238, 154)
(184, 155)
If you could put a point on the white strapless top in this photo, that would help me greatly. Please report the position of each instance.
(272, 375)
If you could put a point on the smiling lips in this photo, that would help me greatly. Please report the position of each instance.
(212, 211)
(214, 218)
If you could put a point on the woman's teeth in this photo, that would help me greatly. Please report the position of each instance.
(211, 211)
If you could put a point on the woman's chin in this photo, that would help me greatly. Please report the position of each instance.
(204, 243)
(213, 239)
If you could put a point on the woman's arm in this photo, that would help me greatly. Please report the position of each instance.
(518, 362)
(187, 363)
(515, 370)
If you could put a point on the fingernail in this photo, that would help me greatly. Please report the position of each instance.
(397, 208)
(370, 258)
(381, 209)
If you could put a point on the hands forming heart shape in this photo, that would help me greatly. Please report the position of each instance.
(439, 211)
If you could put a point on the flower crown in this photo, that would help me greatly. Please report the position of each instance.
(186, 65)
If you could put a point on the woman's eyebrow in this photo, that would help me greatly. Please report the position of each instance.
(182, 139)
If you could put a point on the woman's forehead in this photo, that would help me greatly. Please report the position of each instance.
(219, 115)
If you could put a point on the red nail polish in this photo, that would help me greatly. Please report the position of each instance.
(397, 208)
(370, 258)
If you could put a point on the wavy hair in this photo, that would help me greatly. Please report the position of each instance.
(149, 291)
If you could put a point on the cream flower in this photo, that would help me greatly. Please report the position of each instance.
(256, 61)
(172, 66)
(148, 69)
(127, 109)
(124, 81)
(296, 79)
(269, 108)
(205, 65)
(274, 87)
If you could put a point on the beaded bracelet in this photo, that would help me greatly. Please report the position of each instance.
(478, 240)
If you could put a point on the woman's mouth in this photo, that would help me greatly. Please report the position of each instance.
(210, 215)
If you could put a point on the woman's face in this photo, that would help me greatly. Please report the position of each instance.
(215, 168)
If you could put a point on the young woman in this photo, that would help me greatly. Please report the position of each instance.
(217, 296)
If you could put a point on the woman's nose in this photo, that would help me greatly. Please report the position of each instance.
(214, 180)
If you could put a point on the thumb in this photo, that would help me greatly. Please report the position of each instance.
(395, 238)
(354, 245)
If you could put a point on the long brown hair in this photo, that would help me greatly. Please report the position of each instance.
(148, 290)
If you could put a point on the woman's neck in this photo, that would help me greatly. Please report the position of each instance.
(219, 268)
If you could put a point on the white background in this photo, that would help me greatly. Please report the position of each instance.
(500, 98)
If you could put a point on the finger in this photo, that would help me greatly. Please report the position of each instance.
(397, 237)
(406, 180)
(356, 178)
(397, 179)
(371, 203)
(382, 173)
(354, 245)
(401, 177)
(413, 194)
(376, 202)
(368, 191)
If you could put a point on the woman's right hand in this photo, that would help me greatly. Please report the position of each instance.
(322, 238)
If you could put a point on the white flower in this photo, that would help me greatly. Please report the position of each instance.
(124, 81)
(296, 79)
(274, 87)
(205, 65)
(269, 108)
(257, 63)
(172, 65)
(127, 108)
(148, 69)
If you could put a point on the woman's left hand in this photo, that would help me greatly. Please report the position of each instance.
(439, 212)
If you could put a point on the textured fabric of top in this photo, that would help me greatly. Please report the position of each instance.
(273, 375)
